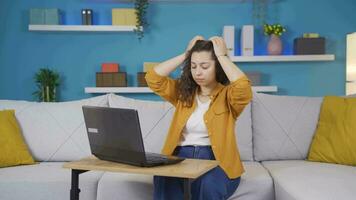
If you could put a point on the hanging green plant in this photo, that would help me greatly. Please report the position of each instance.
(141, 11)
(47, 81)
(259, 11)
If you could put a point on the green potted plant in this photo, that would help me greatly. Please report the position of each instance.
(274, 46)
(47, 81)
(141, 11)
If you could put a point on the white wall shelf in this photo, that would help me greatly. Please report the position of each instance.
(148, 90)
(283, 58)
(180, 1)
(102, 28)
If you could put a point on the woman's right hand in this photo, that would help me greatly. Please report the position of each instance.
(192, 42)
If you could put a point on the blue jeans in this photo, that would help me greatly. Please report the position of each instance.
(214, 185)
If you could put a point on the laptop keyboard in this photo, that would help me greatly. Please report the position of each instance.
(153, 157)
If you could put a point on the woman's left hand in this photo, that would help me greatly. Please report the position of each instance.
(219, 46)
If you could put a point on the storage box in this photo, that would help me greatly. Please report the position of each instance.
(247, 40)
(255, 77)
(37, 16)
(111, 79)
(49, 16)
(306, 46)
(149, 65)
(110, 67)
(141, 81)
(52, 16)
(124, 16)
(229, 38)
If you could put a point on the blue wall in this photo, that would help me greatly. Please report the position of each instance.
(77, 56)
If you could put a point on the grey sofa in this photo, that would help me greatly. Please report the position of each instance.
(273, 136)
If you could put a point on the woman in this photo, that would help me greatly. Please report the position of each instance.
(210, 94)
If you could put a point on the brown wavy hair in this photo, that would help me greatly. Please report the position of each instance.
(186, 84)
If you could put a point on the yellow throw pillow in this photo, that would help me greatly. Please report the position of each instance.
(13, 150)
(335, 138)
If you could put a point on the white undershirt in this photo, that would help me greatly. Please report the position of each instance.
(195, 131)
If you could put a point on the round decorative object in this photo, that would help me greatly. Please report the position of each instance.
(274, 46)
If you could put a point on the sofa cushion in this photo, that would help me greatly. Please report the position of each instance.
(283, 126)
(46, 180)
(334, 140)
(154, 116)
(256, 184)
(243, 131)
(54, 131)
(299, 179)
(13, 149)
(155, 119)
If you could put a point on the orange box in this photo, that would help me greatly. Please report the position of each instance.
(110, 67)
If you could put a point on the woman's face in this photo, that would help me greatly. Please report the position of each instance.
(203, 68)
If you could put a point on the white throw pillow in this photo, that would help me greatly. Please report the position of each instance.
(283, 126)
(54, 131)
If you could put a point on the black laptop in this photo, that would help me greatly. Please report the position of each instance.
(115, 135)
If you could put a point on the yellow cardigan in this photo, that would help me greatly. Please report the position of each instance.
(226, 105)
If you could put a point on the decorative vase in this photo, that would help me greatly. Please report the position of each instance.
(274, 46)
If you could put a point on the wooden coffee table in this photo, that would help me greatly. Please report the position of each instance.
(188, 170)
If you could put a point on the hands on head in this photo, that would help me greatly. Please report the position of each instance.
(218, 43)
(192, 42)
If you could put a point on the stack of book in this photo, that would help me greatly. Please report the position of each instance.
(110, 76)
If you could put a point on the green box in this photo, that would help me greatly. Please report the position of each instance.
(37, 16)
(52, 16)
(49, 16)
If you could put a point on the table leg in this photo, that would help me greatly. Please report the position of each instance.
(187, 194)
(74, 191)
